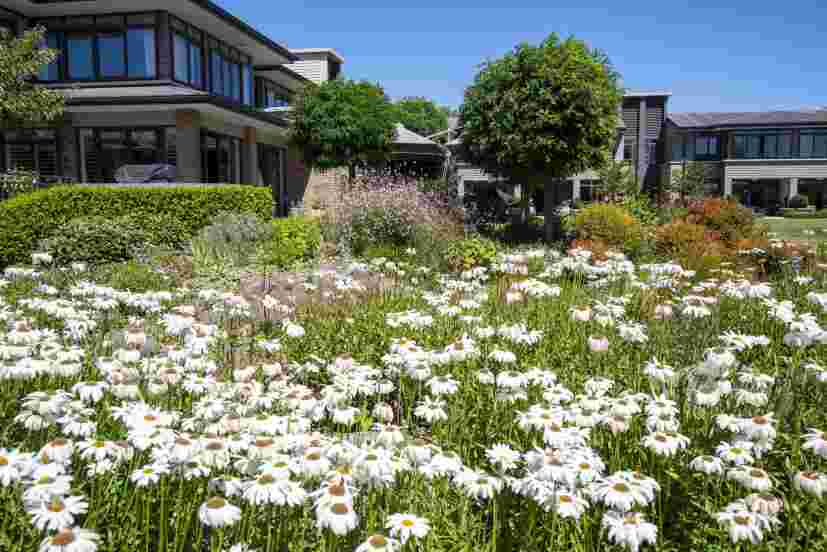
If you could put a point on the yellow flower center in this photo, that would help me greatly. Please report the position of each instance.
(407, 523)
(216, 503)
(377, 540)
(621, 487)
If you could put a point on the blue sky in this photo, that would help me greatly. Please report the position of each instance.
(742, 56)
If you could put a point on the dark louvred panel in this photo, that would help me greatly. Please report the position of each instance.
(654, 121)
(631, 118)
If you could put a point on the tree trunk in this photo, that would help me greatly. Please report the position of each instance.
(351, 176)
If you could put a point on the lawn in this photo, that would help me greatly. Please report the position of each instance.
(547, 403)
(797, 229)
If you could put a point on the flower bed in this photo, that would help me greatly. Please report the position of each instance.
(549, 402)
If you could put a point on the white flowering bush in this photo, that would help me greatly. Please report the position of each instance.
(547, 403)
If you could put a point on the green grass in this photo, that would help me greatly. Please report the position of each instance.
(797, 229)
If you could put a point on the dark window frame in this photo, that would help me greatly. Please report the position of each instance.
(707, 140)
(34, 141)
(236, 162)
(68, 26)
(161, 136)
(763, 144)
(814, 132)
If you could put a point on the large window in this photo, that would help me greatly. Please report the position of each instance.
(187, 53)
(221, 156)
(31, 150)
(105, 150)
(763, 145)
(706, 146)
(230, 73)
(271, 94)
(813, 144)
(110, 47)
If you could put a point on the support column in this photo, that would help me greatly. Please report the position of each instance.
(793, 187)
(727, 186)
(575, 190)
(249, 157)
(188, 145)
(642, 145)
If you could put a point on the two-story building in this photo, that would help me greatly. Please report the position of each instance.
(759, 158)
(181, 82)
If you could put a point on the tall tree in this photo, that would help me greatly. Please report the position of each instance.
(343, 123)
(617, 180)
(21, 100)
(421, 115)
(542, 113)
(688, 180)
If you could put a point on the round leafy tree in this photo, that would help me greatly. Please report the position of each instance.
(21, 100)
(343, 123)
(421, 115)
(542, 113)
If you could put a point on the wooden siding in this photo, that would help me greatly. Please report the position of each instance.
(770, 168)
(654, 121)
(313, 69)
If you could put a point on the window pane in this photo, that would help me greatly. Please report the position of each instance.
(740, 146)
(181, 55)
(50, 72)
(111, 53)
(753, 146)
(80, 57)
(820, 146)
(113, 154)
(141, 53)
(144, 144)
(235, 82)
(195, 66)
(677, 150)
(227, 78)
(171, 146)
(216, 73)
(701, 145)
(713, 145)
(785, 143)
(770, 145)
(806, 146)
(248, 85)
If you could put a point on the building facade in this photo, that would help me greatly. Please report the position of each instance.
(179, 82)
(759, 158)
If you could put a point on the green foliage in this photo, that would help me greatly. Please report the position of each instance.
(470, 252)
(159, 229)
(17, 181)
(379, 225)
(294, 239)
(542, 111)
(641, 207)
(133, 276)
(421, 115)
(342, 123)
(95, 240)
(688, 180)
(617, 180)
(611, 225)
(29, 218)
(21, 100)
(804, 214)
(799, 202)
(230, 239)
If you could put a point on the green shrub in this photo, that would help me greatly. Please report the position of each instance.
(293, 239)
(375, 225)
(29, 218)
(230, 239)
(468, 253)
(95, 240)
(799, 202)
(133, 276)
(733, 221)
(610, 224)
(161, 230)
(804, 214)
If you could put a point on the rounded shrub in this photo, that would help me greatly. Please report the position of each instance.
(610, 224)
(469, 253)
(294, 239)
(95, 240)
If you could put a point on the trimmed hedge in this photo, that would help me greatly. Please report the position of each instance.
(29, 218)
(804, 213)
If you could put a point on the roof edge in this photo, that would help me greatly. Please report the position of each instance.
(330, 52)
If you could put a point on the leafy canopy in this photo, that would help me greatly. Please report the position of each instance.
(550, 109)
(21, 100)
(343, 123)
(421, 115)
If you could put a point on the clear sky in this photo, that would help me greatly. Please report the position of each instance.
(724, 55)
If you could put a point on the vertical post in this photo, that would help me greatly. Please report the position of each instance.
(249, 156)
(642, 145)
(793, 187)
(188, 145)
(575, 190)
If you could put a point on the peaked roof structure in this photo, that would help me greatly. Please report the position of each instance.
(409, 142)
